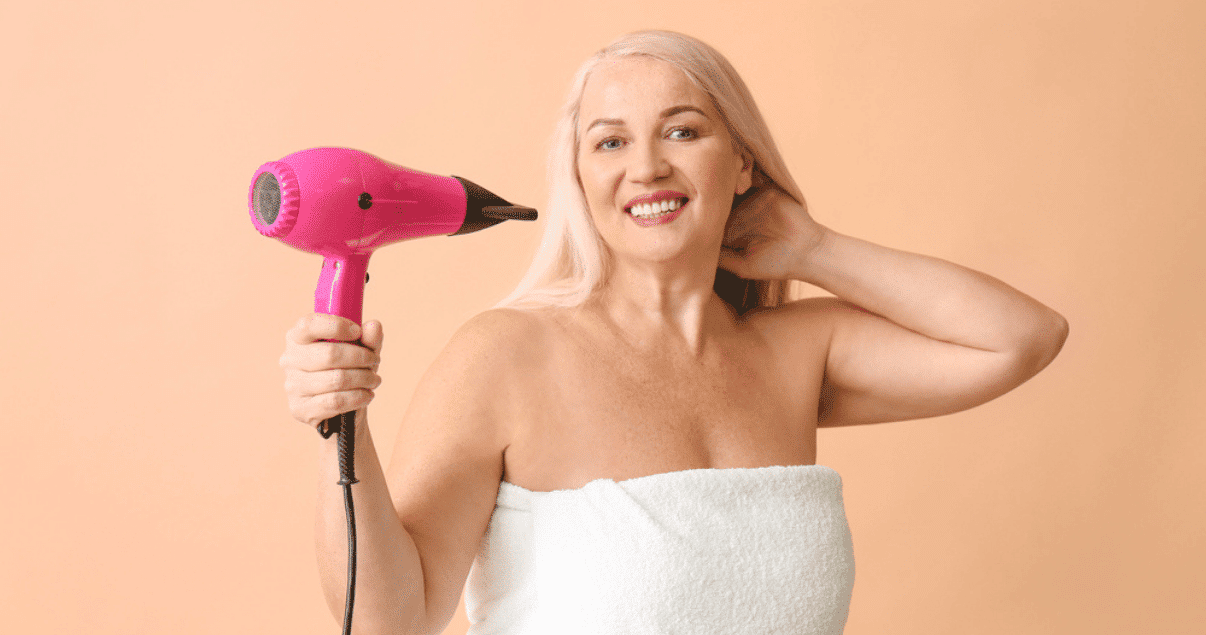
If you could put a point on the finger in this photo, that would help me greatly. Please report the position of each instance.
(372, 334)
(321, 326)
(327, 381)
(340, 402)
(320, 356)
(318, 409)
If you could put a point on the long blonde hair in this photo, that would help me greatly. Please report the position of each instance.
(572, 261)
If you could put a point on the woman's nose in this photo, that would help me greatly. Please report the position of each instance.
(647, 163)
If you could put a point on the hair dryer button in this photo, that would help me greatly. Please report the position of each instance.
(366, 200)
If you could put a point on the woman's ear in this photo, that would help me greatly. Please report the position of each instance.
(745, 178)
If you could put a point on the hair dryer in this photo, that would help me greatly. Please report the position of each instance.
(344, 204)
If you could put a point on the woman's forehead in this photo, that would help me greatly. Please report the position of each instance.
(629, 86)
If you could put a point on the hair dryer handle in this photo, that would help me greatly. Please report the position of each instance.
(340, 289)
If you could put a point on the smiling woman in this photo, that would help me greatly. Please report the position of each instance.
(655, 138)
(571, 261)
(621, 445)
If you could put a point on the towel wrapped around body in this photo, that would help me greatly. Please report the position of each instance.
(737, 550)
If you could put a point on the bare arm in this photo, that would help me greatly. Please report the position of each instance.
(325, 378)
(389, 575)
(910, 336)
(448, 460)
(939, 337)
(418, 529)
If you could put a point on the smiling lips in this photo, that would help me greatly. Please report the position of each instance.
(655, 204)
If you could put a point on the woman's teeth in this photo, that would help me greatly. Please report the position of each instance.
(653, 210)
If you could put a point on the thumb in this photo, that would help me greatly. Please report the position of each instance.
(372, 335)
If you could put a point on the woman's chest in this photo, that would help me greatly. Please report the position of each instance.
(593, 413)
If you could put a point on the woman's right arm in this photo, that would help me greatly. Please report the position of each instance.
(419, 528)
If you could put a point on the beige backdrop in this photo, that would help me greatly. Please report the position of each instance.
(154, 483)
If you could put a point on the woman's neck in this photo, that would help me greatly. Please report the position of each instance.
(658, 312)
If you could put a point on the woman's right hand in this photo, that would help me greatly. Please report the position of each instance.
(327, 371)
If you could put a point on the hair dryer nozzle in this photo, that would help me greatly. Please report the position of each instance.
(509, 212)
(485, 209)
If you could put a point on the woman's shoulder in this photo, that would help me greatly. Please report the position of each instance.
(484, 364)
(504, 334)
(507, 322)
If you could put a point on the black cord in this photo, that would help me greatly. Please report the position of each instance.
(345, 425)
(351, 593)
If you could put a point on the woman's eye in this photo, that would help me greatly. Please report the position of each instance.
(611, 143)
(682, 133)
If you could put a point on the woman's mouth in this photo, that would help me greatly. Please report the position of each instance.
(651, 211)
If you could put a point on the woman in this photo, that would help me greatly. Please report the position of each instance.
(627, 443)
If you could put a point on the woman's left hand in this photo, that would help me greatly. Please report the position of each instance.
(769, 236)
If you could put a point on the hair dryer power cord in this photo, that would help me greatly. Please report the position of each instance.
(345, 425)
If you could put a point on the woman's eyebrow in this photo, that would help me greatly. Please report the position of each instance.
(604, 122)
(669, 112)
(674, 110)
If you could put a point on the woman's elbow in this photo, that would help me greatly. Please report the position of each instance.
(1042, 343)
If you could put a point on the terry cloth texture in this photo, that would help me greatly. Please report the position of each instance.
(708, 551)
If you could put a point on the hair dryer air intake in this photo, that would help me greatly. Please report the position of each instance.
(344, 204)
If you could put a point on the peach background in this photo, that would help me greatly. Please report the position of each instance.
(153, 481)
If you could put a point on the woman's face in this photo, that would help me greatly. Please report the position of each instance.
(652, 145)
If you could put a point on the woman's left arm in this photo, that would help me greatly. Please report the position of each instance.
(931, 338)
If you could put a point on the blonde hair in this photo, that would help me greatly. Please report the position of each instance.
(572, 260)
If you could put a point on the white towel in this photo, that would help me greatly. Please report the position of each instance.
(708, 551)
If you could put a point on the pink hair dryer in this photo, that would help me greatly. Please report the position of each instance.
(345, 203)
